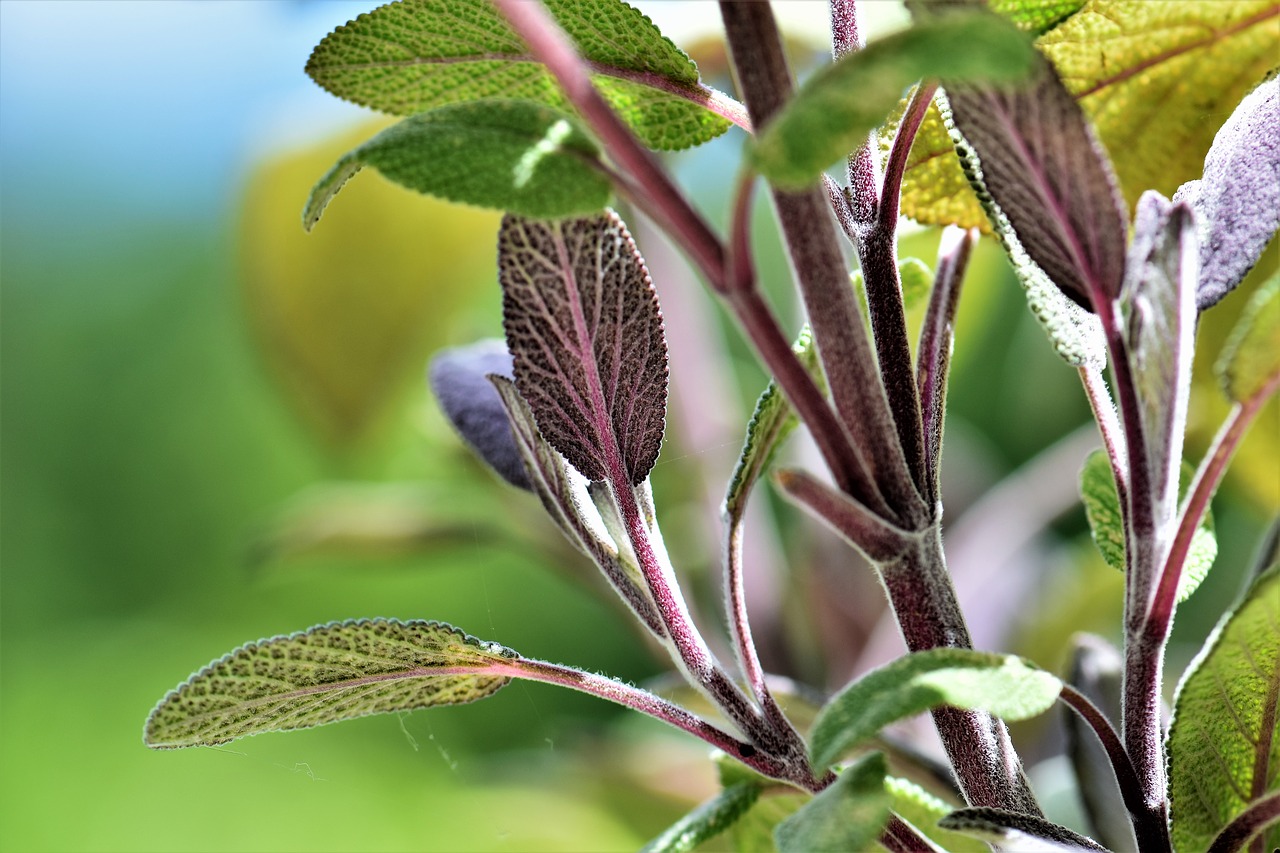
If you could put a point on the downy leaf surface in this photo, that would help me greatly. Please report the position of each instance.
(1003, 685)
(416, 55)
(1014, 831)
(1237, 202)
(582, 320)
(1223, 743)
(707, 820)
(1250, 360)
(1036, 16)
(848, 815)
(499, 154)
(325, 674)
(833, 112)
(923, 810)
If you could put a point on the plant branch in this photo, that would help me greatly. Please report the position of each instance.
(896, 166)
(901, 837)
(1104, 414)
(863, 168)
(876, 538)
(1258, 816)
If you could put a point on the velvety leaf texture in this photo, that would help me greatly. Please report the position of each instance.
(1223, 744)
(328, 673)
(459, 378)
(1238, 200)
(1036, 16)
(1002, 685)
(1041, 164)
(582, 320)
(500, 154)
(833, 111)
(707, 820)
(412, 56)
(923, 810)
(1014, 831)
(1250, 360)
(847, 815)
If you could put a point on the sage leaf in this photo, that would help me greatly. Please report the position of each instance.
(582, 320)
(1102, 508)
(1039, 161)
(499, 154)
(753, 832)
(1003, 685)
(1224, 741)
(412, 56)
(1237, 202)
(1036, 16)
(459, 379)
(848, 815)
(833, 112)
(923, 810)
(325, 674)
(1250, 360)
(1014, 831)
(707, 820)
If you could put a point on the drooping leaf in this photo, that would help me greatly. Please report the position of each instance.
(1036, 16)
(1102, 508)
(1127, 63)
(1003, 685)
(707, 820)
(1237, 203)
(329, 673)
(1014, 831)
(848, 815)
(1250, 360)
(1224, 744)
(416, 55)
(459, 379)
(833, 111)
(923, 810)
(1038, 159)
(500, 154)
(582, 320)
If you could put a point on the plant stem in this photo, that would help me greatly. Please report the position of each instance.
(1104, 414)
(863, 168)
(1248, 823)
(900, 837)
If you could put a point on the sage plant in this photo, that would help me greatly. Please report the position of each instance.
(548, 111)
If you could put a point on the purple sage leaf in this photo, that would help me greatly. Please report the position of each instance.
(1041, 164)
(1238, 199)
(459, 379)
(583, 323)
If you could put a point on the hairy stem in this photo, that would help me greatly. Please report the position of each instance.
(864, 167)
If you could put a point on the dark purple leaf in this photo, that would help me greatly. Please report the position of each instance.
(583, 324)
(1039, 160)
(1238, 200)
(459, 379)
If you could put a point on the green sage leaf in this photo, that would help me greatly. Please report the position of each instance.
(848, 815)
(923, 810)
(1250, 360)
(416, 55)
(834, 111)
(1224, 742)
(499, 154)
(325, 674)
(1014, 831)
(1003, 685)
(707, 820)
(1036, 16)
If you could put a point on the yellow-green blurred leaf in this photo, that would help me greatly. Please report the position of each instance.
(1250, 361)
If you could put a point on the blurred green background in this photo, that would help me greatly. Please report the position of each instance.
(214, 429)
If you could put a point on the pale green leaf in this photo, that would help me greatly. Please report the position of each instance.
(923, 810)
(707, 820)
(416, 55)
(753, 833)
(833, 111)
(1224, 742)
(1036, 16)
(1147, 74)
(325, 674)
(917, 281)
(1003, 685)
(848, 815)
(506, 155)
(1250, 360)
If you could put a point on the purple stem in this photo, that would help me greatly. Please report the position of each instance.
(901, 837)
(1260, 814)
(863, 168)
(879, 540)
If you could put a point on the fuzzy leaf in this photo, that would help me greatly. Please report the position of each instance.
(325, 674)
(917, 281)
(459, 379)
(707, 820)
(1002, 685)
(412, 56)
(1036, 16)
(848, 815)
(833, 111)
(1250, 359)
(1224, 744)
(753, 833)
(923, 810)
(582, 321)
(505, 155)
(1238, 200)
(1014, 831)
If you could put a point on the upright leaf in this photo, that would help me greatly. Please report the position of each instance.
(1250, 360)
(1238, 200)
(329, 673)
(1002, 685)
(1223, 744)
(1014, 831)
(835, 109)
(415, 55)
(582, 321)
(500, 154)
(848, 815)
(707, 820)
